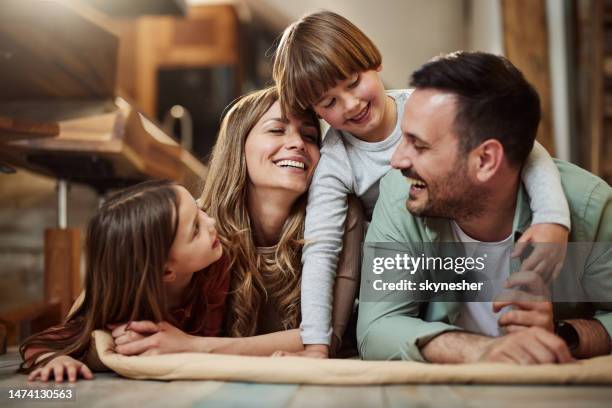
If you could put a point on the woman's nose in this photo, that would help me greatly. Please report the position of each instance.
(295, 141)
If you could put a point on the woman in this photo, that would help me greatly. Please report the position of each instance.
(259, 172)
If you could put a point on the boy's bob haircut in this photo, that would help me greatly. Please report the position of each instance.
(316, 52)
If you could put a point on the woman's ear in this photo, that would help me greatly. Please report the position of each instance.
(379, 68)
(169, 275)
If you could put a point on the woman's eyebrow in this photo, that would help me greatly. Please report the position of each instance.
(281, 120)
(193, 225)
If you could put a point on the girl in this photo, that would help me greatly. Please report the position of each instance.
(151, 255)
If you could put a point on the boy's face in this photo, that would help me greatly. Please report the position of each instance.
(355, 105)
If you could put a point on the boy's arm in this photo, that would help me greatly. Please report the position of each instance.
(543, 184)
(323, 233)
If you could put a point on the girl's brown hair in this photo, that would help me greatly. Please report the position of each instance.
(316, 52)
(128, 243)
(255, 277)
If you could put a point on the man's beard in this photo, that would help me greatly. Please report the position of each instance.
(452, 196)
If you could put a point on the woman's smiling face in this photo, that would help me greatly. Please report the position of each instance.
(281, 154)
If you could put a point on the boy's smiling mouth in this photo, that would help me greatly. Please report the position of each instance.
(362, 115)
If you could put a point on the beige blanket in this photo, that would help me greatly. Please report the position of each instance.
(200, 366)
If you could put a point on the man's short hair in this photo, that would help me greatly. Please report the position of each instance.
(494, 100)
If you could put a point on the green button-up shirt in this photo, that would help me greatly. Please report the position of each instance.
(395, 330)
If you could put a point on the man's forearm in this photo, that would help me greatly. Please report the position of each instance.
(455, 348)
(594, 340)
(262, 345)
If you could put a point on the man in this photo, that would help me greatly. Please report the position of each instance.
(467, 130)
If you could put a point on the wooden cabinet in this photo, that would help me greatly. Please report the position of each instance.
(594, 85)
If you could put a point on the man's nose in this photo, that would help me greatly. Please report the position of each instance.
(401, 159)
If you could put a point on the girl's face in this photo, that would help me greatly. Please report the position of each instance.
(281, 154)
(196, 245)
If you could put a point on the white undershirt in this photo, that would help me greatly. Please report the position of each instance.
(478, 317)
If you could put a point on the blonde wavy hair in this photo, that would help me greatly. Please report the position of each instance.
(256, 277)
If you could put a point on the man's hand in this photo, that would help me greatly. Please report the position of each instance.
(549, 252)
(310, 351)
(530, 346)
(58, 367)
(149, 338)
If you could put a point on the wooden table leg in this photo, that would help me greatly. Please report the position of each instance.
(62, 267)
(2, 339)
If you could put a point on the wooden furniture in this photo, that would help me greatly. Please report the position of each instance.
(526, 46)
(62, 115)
(594, 85)
(206, 36)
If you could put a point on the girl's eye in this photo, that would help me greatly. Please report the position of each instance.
(355, 82)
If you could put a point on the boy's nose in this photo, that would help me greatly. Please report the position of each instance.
(351, 104)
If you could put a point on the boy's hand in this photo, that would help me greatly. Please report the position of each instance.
(546, 260)
(310, 351)
(60, 365)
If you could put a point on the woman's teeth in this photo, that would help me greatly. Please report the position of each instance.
(291, 163)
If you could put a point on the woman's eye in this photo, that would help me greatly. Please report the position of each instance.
(311, 138)
(330, 103)
(277, 130)
(355, 82)
(196, 230)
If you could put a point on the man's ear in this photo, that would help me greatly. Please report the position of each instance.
(169, 275)
(487, 159)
